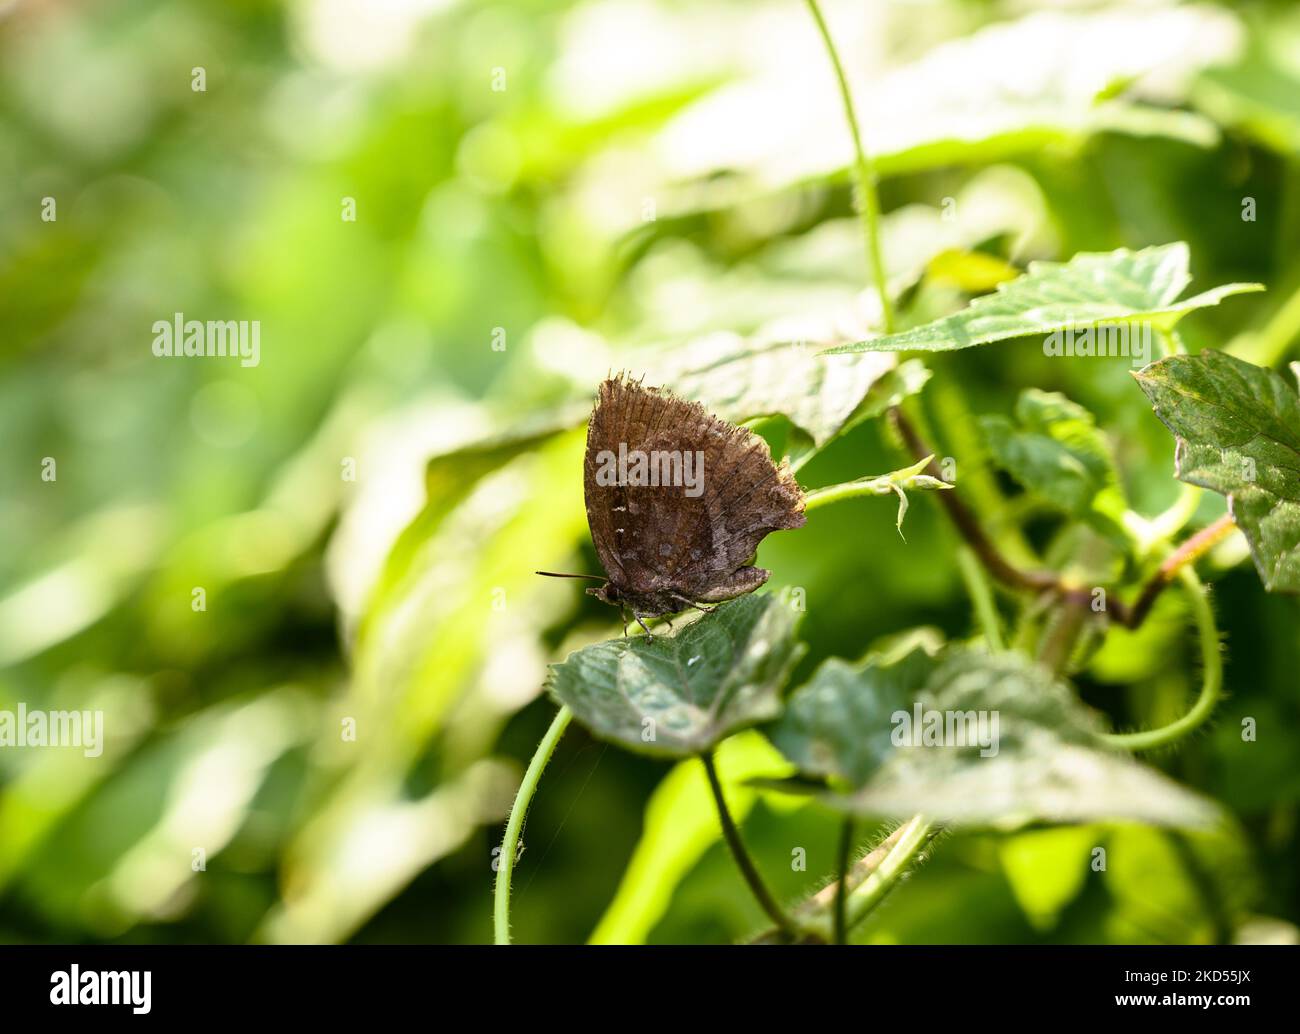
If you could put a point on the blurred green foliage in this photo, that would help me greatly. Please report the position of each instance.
(543, 192)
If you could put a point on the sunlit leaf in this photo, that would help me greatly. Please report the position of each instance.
(443, 602)
(681, 694)
(739, 380)
(1238, 431)
(1010, 88)
(681, 823)
(1046, 868)
(971, 271)
(449, 478)
(1259, 93)
(1091, 289)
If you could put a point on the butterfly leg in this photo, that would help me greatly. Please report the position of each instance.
(623, 612)
(692, 603)
(640, 622)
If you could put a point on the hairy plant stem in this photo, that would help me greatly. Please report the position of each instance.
(855, 489)
(868, 880)
(872, 485)
(906, 844)
(864, 170)
(510, 844)
(1211, 677)
(842, 890)
(743, 862)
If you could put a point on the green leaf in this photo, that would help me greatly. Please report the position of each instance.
(1055, 451)
(1091, 289)
(1008, 89)
(464, 547)
(673, 696)
(1021, 749)
(679, 826)
(739, 379)
(1259, 93)
(1047, 868)
(1238, 432)
(973, 272)
(450, 476)
(837, 724)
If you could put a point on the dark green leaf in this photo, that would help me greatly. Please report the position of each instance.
(837, 724)
(677, 695)
(1056, 452)
(1238, 431)
(1020, 749)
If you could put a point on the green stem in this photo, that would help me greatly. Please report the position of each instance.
(912, 838)
(869, 486)
(1212, 678)
(869, 207)
(746, 864)
(1063, 630)
(892, 484)
(1165, 525)
(1270, 345)
(506, 859)
(842, 891)
(981, 596)
(819, 497)
(1171, 342)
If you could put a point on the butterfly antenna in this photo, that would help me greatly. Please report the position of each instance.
(557, 574)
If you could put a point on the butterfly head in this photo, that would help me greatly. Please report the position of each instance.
(606, 593)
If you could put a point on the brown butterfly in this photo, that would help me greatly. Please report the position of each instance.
(677, 502)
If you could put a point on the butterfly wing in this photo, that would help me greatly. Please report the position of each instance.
(746, 497)
(685, 537)
(628, 521)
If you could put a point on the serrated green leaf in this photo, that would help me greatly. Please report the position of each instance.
(673, 696)
(904, 380)
(1055, 451)
(837, 724)
(1021, 749)
(1238, 432)
(1093, 288)
(739, 379)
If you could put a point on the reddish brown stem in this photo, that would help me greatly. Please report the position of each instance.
(1187, 553)
(1003, 570)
